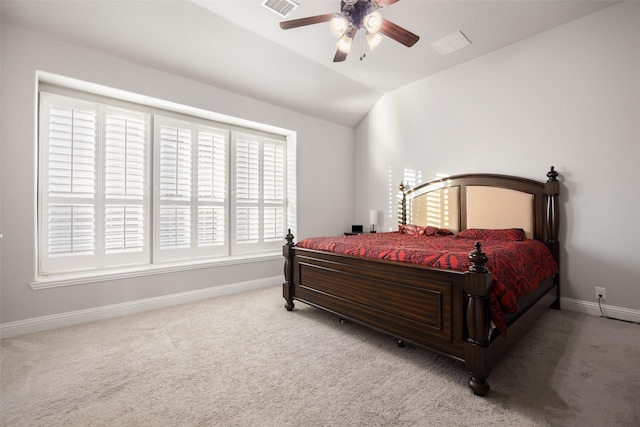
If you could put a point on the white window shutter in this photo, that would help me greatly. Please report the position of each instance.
(174, 168)
(93, 206)
(260, 193)
(274, 191)
(191, 201)
(247, 188)
(212, 191)
(175, 162)
(69, 143)
(126, 207)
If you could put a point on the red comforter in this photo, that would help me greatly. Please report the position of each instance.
(517, 265)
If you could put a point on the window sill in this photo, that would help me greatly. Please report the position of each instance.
(72, 279)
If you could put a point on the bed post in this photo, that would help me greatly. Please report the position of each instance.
(477, 285)
(287, 286)
(551, 191)
(402, 213)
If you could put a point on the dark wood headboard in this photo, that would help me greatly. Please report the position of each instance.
(486, 201)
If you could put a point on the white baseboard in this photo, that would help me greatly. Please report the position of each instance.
(37, 324)
(592, 308)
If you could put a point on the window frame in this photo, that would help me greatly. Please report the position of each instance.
(119, 99)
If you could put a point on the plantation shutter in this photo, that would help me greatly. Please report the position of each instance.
(247, 177)
(92, 210)
(259, 193)
(126, 219)
(174, 167)
(191, 198)
(212, 192)
(274, 191)
(68, 133)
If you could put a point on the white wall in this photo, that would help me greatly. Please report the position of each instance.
(325, 206)
(569, 97)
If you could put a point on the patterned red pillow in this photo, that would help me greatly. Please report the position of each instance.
(435, 231)
(506, 234)
(423, 231)
(411, 229)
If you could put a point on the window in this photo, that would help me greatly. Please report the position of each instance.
(126, 185)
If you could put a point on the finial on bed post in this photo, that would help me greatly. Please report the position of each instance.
(289, 238)
(478, 259)
(402, 209)
(477, 286)
(287, 286)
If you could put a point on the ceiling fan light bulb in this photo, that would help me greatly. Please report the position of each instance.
(338, 26)
(373, 22)
(344, 44)
(373, 40)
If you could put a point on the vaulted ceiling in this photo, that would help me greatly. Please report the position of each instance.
(238, 44)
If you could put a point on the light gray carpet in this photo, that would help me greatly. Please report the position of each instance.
(243, 360)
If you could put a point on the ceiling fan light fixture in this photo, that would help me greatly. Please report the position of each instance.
(354, 16)
(373, 40)
(372, 22)
(338, 26)
(344, 44)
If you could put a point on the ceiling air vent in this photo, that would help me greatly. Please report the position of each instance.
(451, 43)
(281, 7)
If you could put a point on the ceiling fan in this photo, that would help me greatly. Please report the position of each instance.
(354, 15)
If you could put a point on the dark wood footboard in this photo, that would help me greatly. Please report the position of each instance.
(416, 304)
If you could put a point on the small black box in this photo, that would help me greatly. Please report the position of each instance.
(357, 229)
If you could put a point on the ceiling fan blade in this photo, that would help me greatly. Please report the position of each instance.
(398, 33)
(385, 3)
(310, 20)
(340, 56)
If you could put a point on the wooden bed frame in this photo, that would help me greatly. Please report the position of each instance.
(444, 311)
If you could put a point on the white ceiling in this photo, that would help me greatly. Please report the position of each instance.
(238, 44)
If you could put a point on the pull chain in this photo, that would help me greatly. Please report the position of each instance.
(362, 47)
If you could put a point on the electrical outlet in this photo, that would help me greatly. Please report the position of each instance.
(601, 292)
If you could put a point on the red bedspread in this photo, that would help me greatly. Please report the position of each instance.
(517, 266)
